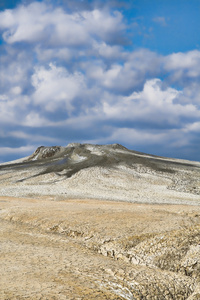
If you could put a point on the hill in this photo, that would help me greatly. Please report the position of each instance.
(102, 171)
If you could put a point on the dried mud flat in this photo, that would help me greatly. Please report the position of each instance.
(95, 249)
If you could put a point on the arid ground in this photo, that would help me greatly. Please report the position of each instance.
(94, 249)
(99, 222)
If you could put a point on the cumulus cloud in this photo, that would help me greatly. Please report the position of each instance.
(66, 75)
(154, 106)
(39, 22)
(55, 87)
(185, 61)
(128, 75)
(184, 67)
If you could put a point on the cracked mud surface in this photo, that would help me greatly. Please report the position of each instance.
(92, 249)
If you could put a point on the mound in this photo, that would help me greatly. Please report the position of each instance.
(102, 171)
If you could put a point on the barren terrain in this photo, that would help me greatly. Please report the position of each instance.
(91, 249)
(64, 235)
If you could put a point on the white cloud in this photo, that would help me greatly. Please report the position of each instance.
(153, 105)
(110, 52)
(14, 71)
(55, 87)
(35, 119)
(183, 60)
(16, 90)
(139, 137)
(49, 54)
(183, 66)
(19, 151)
(193, 127)
(126, 76)
(103, 24)
(13, 109)
(22, 24)
(39, 22)
(3, 97)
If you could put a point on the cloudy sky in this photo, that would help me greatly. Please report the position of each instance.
(100, 72)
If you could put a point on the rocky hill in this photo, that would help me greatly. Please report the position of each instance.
(102, 171)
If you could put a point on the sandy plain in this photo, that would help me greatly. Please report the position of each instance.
(97, 249)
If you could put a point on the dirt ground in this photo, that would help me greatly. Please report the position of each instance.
(93, 249)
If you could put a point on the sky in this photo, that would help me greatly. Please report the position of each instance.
(102, 72)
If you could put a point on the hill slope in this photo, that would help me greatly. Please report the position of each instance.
(102, 171)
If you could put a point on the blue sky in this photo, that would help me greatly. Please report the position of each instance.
(101, 72)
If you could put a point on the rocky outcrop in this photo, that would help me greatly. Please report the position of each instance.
(44, 152)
